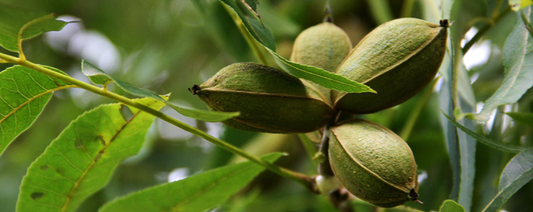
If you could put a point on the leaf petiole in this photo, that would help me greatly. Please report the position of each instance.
(305, 180)
(22, 57)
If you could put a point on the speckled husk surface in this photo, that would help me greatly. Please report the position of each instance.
(372, 162)
(397, 59)
(268, 99)
(324, 46)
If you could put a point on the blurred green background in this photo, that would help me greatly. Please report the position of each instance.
(169, 45)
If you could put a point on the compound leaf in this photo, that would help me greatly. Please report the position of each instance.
(319, 76)
(81, 159)
(98, 76)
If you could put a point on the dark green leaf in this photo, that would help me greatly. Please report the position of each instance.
(484, 140)
(222, 29)
(516, 174)
(316, 75)
(82, 158)
(195, 193)
(522, 118)
(451, 206)
(12, 20)
(517, 60)
(204, 115)
(463, 12)
(23, 95)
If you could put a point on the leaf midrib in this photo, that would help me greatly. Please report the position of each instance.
(175, 208)
(16, 109)
(82, 177)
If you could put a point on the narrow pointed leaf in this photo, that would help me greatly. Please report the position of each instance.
(82, 158)
(319, 76)
(451, 206)
(522, 118)
(516, 174)
(518, 64)
(484, 140)
(195, 193)
(463, 12)
(450, 133)
(23, 95)
(100, 77)
(13, 19)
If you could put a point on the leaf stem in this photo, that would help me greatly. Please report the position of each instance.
(249, 39)
(22, 57)
(324, 168)
(529, 27)
(495, 19)
(306, 181)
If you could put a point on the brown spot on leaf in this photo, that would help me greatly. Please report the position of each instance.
(36, 195)
(78, 143)
(98, 156)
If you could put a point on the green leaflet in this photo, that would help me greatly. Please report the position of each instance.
(264, 37)
(451, 206)
(13, 19)
(517, 61)
(516, 174)
(98, 76)
(463, 12)
(82, 158)
(195, 193)
(482, 139)
(23, 95)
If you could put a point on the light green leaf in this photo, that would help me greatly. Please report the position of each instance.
(82, 158)
(517, 61)
(100, 76)
(195, 193)
(96, 75)
(516, 174)
(484, 140)
(464, 13)
(519, 4)
(314, 74)
(451, 206)
(522, 118)
(23, 95)
(12, 20)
